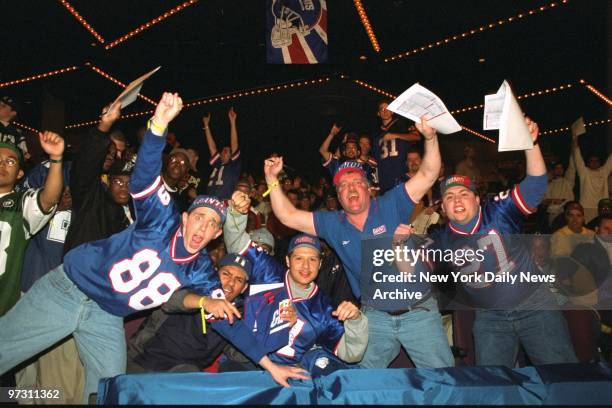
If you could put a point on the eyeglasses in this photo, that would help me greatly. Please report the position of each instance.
(9, 161)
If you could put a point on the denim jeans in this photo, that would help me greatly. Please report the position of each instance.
(543, 334)
(419, 331)
(53, 309)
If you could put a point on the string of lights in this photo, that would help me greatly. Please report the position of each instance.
(222, 97)
(81, 20)
(596, 92)
(524, 96)
(26, 127)
(387, 94)
(567, 128)
(150, 23)
(475, 133)
(474, 31)
(255, 91)
(365, 21)
(38, 76)
(116, 81)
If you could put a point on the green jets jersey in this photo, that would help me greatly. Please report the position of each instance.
(20, 218)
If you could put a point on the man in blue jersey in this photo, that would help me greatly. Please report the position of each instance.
(416, 326)
(225, 164)
(139, 268)
(508, 314)
(391, 143)
(349, 150)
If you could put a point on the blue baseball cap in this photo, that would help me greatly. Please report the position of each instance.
(347, 167)
(458, 180)
(237, 260)
(301, 240)
(210, 202)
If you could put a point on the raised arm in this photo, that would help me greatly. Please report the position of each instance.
(212, 147)
(282, 207)
(429, 170)
(149, 161)
(324, 149)
(533, 157)
(570, 173)
(88, 164)
(233, 130)
(53, 145)
(234, 229)
(576, 155)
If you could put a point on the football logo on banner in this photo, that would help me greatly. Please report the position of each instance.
(296, 31)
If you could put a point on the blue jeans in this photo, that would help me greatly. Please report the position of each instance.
(543, 334)
(53, 309)
(420, 332)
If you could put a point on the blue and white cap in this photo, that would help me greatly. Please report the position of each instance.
(210, 202)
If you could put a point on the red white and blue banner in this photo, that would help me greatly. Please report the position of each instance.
(296, 31)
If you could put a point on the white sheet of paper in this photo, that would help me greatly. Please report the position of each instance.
(578, 127)
(130, 93)
(513, 131)
(418, 101)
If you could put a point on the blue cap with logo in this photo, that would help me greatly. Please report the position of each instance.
(458, 180)
(210, 202)
(237, 260)
(347, 167)
(301, 240)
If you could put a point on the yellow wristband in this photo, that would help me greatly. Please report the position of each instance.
(270, 188)
(202, 314)
(155, 127)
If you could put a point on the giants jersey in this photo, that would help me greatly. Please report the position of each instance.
(223, 177)
(286, 345)
(495, 231)
(315, 323)
(140, 267)
(391, 155)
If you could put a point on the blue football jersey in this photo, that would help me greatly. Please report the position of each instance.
(223, 177)
(315, 324)
(495, 230)
(391, 155)
(286, 345)
(140, 267)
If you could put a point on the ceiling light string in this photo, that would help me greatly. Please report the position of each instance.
(477, 30)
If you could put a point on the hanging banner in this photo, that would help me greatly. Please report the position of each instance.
(296, 31)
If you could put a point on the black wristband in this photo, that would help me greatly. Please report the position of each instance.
(56, 161)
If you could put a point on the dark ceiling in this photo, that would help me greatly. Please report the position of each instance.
(218, 46)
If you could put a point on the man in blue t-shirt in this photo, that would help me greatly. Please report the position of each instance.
(415, 326)
(507, 314)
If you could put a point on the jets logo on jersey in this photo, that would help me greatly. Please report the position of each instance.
(8, 203)
(297, 31)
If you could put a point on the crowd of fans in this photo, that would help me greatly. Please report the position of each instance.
(303, 235)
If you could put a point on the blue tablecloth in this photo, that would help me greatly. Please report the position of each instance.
(563, 384)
